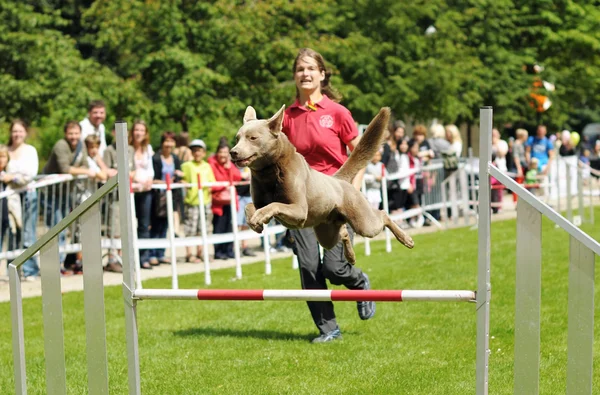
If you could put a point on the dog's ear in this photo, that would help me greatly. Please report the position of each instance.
(250, 114)
(276, 121)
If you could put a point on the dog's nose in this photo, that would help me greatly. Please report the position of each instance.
(233, 154)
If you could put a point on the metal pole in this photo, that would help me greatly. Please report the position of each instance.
(483, 270)
(569, 193)
(128, 259)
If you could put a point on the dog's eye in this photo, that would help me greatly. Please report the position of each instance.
(252, 138)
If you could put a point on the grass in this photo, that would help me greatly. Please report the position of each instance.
(190, 347)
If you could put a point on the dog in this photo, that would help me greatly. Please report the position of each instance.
(283, 186)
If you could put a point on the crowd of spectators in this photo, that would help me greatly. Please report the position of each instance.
(84, 151)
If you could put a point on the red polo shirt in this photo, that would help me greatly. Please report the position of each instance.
(320, 136)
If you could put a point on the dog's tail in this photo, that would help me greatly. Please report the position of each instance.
(368, 145)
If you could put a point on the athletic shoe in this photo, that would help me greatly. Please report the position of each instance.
(366, 310)
(328, 337)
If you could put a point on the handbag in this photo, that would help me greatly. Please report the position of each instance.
(222, 197)
(160, 204)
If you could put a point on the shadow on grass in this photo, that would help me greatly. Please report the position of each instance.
(249, 333)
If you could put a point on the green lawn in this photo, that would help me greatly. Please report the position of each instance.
(192, 347)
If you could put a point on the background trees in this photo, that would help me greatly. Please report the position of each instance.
(193, 65)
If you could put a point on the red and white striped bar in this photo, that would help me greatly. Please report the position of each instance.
(313, 295)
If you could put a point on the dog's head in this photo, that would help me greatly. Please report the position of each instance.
(257, 140)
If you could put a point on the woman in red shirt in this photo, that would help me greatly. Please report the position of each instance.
(322, 130)
(224, 170)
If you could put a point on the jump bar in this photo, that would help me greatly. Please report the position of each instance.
(313, 295)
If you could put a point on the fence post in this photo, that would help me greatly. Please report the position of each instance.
(169, 192)
(134, 239)
(133, 359)
(267, 249)
(386, 208)
(483, 272)
(367, 241)
(569, 192)
(207, 278)
(18, 335)
(234, 228)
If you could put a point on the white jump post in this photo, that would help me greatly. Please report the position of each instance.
(133, 359)
(234, 225)
(386, 208)
(367, 240)
(267, 249)
(483, 257)
(204, 233)
(171, 224)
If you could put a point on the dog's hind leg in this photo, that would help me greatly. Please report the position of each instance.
(328, 234)
(347, 242)
(400, 234)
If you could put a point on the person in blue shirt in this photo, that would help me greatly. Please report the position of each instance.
(540, 147)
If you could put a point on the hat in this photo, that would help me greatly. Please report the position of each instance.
(197, 143)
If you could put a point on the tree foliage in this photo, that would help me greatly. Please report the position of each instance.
(191, 65)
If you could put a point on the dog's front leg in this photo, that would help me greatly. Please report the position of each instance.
(250, 210)
(290, 214)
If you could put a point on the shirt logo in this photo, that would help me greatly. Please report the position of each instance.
(326, 121)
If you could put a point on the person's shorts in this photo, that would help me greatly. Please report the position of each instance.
(191, 225)
(241, 213)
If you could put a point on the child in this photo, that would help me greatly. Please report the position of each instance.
(10, 207)
(531, 177)
(191, 169)
(519, 152)
(415, 189)
(585, 163)
(95, 161)
(373, 180)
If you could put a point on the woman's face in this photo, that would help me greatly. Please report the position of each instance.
(399, 134)
(18, 134)
(223, 155)
(414, 149)
(307, 76)
(167, 146)
(403, 146)
(139, 133)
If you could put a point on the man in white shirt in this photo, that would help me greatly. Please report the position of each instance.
(93, 123)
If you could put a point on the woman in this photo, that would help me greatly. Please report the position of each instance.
(165, 163)
(139, 139)
(21, 169)
(453, 137)
(322, 130)
(224, 170)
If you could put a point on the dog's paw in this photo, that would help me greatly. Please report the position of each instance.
(260, 217)
(258, 228)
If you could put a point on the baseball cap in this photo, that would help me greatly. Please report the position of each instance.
(197, 143)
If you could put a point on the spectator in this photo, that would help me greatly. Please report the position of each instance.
(182, 150)
(139, 139)
(244, 197)
(5, 214)
(93, 123)
(519, 152)
(95, 161)
(540, 147)
(114, 217)
(21, 170)
(425, 151)
(394, 138)
(164, 163)
(585, 163)
(453, 137)
(500, 149)
(392, 166)
(373, 180)
(68, 156)
(595, 159)
(191, 170)
(566, 147)
(438, 142)
(414, 189)
(223, 170)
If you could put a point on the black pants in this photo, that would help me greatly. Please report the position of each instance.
(314, 273)
(222, 224)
